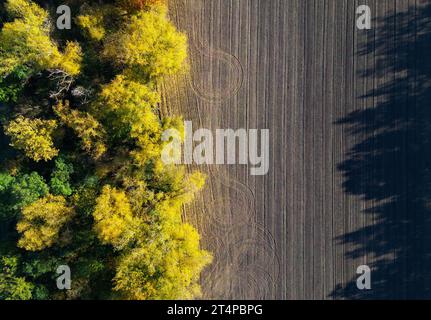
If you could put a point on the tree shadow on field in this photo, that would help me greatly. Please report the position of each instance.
(390, 168)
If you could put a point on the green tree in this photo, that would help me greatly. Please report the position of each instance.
(28, 188)
(84, 199)
(60, 178)
(13, 287)
(12, 85)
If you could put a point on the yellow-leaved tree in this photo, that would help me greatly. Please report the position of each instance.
(116, 216)
(33, 136)
(26, 41)
(167, 261)
(42, 221)
(86, 127)
(128, 107)
(128, 104)
(97, 20)
(166, 268)
(149, 45)
(113, 218)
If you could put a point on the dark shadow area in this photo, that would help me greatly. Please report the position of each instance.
(390, 168)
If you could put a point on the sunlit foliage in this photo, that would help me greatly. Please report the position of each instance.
(86, 127)
(92, 24)
(83, 182)
(33, 136)
(168, 265)
(98, 20)
(26, 41)
(149, 45)
(41, 222)
(113, 218)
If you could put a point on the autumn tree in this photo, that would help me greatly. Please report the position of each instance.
(86, 127)
(149, 46)
(33, 136)
(26, 42)
(92, 24)
(114, 222)
(41, 222)
(82, 182)
(96, 21)
(166, 267)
